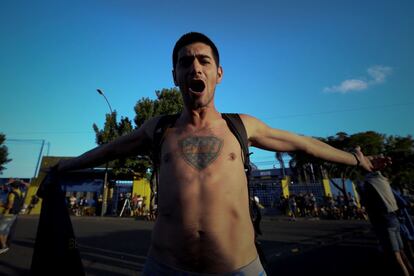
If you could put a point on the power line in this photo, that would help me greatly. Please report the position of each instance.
(51, 132)
(25, 140)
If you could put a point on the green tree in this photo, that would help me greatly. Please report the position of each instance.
(169, 101)
(372, 143)
(4, 153)
(144, 110)
(400, 149)
(306, 168)
(113, 129)
(401, 171)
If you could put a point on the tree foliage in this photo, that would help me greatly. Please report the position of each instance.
(113, 129)
(400, 149)
(4, 153)
(168, 101)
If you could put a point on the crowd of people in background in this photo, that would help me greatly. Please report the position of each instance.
(127, 206)
(135, 206)
(304, 205)
(307, 205)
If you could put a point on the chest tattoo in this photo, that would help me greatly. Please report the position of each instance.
(200, 151)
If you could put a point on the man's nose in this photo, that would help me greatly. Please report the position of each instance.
(195, 67)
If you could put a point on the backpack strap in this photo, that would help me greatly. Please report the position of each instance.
(236, 126)
(238, 129)
(162, 125)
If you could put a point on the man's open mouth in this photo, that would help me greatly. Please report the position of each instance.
(197, 86)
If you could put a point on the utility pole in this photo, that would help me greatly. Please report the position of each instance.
(42, 142)
(105, 184)
(40, 157)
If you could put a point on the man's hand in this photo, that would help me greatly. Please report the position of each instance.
(50, 178)
(373, 162)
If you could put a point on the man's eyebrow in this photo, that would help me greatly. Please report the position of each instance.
(203, 56)
(197, 55)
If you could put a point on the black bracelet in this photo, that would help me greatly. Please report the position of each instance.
(358, 163)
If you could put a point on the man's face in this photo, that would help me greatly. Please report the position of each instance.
(197, 74)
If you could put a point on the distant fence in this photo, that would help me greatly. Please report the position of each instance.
(269, 191)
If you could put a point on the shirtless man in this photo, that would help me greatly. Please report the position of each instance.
(204, 224)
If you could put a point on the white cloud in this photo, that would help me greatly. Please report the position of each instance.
(378, 74)
(347, 86)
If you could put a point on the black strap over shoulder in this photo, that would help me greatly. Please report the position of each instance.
(236, 126)
(238, 129)
(162, 125)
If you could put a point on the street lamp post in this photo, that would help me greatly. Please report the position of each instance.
(102, 93)
(105, 185)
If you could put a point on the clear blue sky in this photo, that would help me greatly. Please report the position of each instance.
(311, 67)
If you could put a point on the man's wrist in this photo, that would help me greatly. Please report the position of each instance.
(358, 163)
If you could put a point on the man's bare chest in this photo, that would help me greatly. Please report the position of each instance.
(200, 150)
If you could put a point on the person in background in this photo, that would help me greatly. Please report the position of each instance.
(12, 208)
(382, 208)
(33, 201)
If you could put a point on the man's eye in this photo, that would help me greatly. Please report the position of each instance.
(185, 62)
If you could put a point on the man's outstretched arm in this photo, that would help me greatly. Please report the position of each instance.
(131, 144)
(264, 137)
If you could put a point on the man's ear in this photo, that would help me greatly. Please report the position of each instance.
(220, 73)
(174, 78)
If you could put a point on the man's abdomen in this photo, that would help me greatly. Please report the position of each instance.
(204, 226)
(222, 246)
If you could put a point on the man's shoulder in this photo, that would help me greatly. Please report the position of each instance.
(249, 119)
(156, 126)
(148, 128)
(250, 123)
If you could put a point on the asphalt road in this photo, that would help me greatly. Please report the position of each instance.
(118, 246)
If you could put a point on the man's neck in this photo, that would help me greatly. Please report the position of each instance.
(200, 117)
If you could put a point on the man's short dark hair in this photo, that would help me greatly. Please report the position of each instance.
(194, 37)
